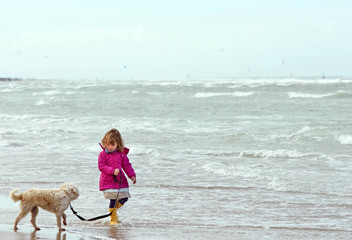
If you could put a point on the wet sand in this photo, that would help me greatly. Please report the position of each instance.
(27, 233)
(13, 236)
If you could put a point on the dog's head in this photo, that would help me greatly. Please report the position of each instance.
(71, 190)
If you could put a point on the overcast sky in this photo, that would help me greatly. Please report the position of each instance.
(164, 39)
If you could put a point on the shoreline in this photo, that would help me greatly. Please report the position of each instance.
(26, 232)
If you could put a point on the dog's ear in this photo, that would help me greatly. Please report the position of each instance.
(74, 192)
(66, 185)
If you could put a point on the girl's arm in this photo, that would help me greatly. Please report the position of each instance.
(103, 165)
(127, 167)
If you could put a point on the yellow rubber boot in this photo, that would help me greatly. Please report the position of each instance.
(113, 216)
(118, 205)
(114, 220)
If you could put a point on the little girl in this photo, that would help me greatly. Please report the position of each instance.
(113, 181)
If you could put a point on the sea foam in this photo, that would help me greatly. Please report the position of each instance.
(277, 153)
(214, 94)
(345, 139)
(339, 93)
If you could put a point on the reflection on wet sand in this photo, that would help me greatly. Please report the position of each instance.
(59, 235)
(116, 233)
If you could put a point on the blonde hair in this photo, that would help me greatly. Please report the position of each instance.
(111, 137)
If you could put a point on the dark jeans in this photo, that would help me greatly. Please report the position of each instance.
(121, 201)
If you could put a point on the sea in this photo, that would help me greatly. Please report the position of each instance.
(241, 158)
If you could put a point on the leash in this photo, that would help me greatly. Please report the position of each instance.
(91, 219)
(102, 216)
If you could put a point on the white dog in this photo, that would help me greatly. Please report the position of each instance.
(52, 200)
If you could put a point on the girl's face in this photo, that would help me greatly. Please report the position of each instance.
(111, 147)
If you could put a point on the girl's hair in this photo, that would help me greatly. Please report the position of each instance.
(111, 137)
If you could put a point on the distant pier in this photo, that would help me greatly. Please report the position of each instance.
(3, 79)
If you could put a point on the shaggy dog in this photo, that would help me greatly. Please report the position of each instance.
(52, 200)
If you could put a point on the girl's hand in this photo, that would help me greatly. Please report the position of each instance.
(134, 180)
(116, 172)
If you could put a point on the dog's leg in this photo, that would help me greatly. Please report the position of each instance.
(58, 221)
(64, 219)
(24, 211)
(35, 211)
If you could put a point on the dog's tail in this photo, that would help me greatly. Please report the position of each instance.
(15, 197)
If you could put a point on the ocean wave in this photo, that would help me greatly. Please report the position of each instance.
(285, 82)
(306, 95)
(141, 151)
(72, 92)
(197, 187)
(238, 171)
(339, 93)
(9, 90)
(35, 118)
(249, 172)
(270, 182)
(214, 94)
(264, 153)
(41, 102)
(278, 153)
(283, 186)
(240, 82)
(288, 82)
(210, 152)
(17, 117)
(345, 139)
(166, 83)
(155, 93)
(317, 133)
(47, 93)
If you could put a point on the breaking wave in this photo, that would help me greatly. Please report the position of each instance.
(339, 93)
(213, 94)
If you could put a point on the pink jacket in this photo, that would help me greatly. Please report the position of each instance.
(107, 164)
